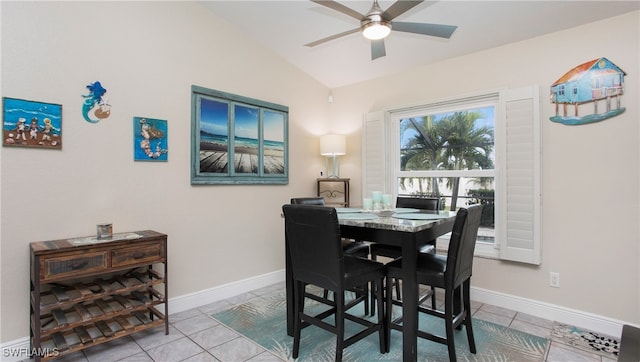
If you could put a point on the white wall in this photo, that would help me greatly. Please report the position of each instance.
(590, 175)
(147, 55)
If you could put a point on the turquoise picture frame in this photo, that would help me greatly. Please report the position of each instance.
(31, 124)
(237, 140)
(150, 139)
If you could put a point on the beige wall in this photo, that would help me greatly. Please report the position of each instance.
(147, 55)
(590, 178)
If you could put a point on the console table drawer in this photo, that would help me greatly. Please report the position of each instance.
(140, 254)
(79, 264)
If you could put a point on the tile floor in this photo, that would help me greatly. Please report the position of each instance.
(195, 337)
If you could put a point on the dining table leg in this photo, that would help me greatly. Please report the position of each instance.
(409, 299)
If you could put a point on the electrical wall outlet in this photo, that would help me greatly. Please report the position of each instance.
(554, 279)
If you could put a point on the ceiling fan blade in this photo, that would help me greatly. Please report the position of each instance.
(398, 8)
(439, 30)
(332, 37)
(377, 49)
(340, 8)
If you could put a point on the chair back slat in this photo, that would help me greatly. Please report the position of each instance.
(313, 234)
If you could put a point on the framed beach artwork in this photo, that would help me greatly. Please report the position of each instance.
(237, 140)
(31, 124)
(150, 139)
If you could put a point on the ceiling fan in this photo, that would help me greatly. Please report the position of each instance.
(377, 24)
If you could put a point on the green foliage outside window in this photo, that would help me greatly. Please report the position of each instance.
(484, 197)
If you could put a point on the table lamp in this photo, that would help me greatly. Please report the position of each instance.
(331, 146)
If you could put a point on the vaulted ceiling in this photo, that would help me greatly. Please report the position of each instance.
(286, 26)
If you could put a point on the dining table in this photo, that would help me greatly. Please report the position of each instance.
(409, 229)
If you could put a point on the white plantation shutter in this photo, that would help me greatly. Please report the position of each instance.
(519, 209)
(373, 153)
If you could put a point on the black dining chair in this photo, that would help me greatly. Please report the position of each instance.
(451, 273)
(317, 258)
(350, 247)
(394, 252)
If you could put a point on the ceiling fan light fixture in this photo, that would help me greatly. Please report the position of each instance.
(376, 30)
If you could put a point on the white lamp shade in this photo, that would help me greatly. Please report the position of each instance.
(333, 145)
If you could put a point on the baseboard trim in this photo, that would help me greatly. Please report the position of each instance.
(204, 297)
(536, 308)
(574, 317)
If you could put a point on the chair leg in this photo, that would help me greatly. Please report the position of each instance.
(298, 309)
(458, 303)
(387, 315)
(433, 298)
(373, 289)
(448, 317)
(467, 319)
(381, 317)
(339, 299)
(366, 300)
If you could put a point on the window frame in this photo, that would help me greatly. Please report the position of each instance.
(483, 249)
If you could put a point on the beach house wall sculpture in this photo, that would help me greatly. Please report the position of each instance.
(586, 87)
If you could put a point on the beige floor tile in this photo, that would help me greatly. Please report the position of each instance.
(265, 357)
(239, 349)
(151, 338)
(177, 350)
(113, 351)
(140, 357)
(202, 357)
(493, 318)
(215, 307)
(530, 328)
(195, 324)
(546, 323)
(498, 310)
(190, 313)
(214, 336)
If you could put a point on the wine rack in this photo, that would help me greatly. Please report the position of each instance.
(87, 291)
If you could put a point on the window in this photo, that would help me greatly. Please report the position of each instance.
(448, 151)
(478, 149)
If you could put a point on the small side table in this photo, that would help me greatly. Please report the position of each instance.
(335, 191)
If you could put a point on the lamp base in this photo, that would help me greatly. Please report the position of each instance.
(335, 170)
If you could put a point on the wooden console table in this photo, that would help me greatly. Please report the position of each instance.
(87, 291)
(334, 190)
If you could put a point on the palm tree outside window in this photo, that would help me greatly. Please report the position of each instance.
(450, 155)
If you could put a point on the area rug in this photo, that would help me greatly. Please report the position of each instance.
(263, 320)
(587, 340)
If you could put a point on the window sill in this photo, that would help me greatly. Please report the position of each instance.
(483, 250)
